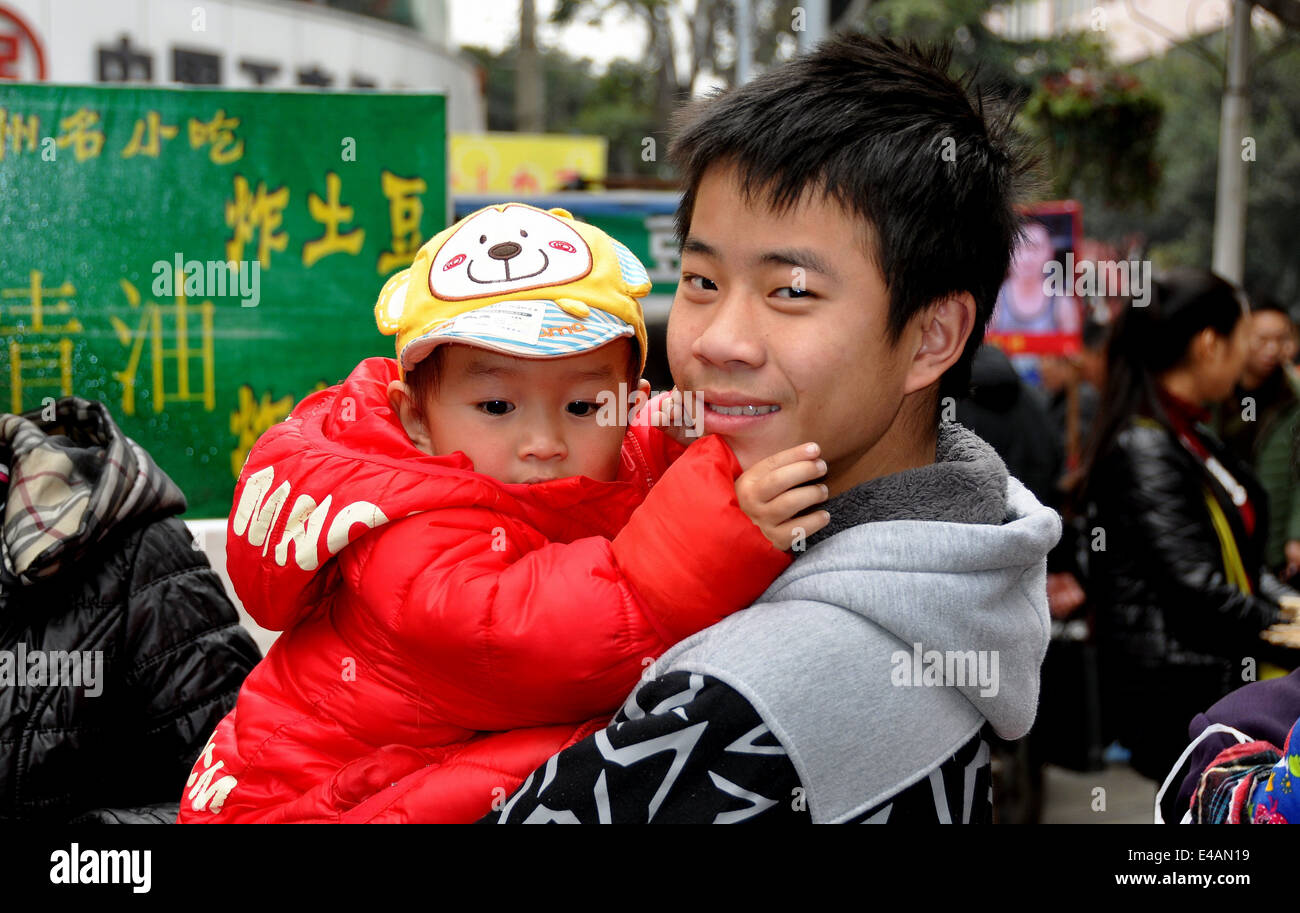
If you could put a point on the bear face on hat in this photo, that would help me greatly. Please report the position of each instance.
(513, 249)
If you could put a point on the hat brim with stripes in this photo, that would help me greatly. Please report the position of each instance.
(522, 328)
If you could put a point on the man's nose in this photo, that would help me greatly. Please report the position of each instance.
(504, 251)
(731, 337)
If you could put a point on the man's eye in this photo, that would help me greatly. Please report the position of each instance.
(583, 408)
(496, 407)
(700, 283)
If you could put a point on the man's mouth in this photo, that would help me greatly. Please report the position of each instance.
(746, 409)
(735, 404)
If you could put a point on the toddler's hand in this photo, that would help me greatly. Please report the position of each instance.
(669, 414)
(772, 492)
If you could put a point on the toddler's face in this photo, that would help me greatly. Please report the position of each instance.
(528, 420)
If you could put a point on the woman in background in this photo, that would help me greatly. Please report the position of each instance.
(1177, 525)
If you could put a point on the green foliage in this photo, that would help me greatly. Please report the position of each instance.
(1112, 150)
(620, 107)
(633, 100)
(569, 86)
(1009, 67)
(618, 104)
(1100, 131)
(1095, 126)
(1180, 226)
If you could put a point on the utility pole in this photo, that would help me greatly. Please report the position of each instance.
(1230, 197)
(529, 117)
(744, 41)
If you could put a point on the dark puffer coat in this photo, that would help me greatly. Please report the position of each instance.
(94, 561)
(1172, 628)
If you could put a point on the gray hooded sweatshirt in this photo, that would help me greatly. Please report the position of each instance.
(917, 616)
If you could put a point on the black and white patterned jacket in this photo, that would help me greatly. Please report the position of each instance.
(695, 751)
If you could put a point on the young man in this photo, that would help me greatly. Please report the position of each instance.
(846, 223)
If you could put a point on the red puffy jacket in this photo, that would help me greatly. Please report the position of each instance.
(439, 621)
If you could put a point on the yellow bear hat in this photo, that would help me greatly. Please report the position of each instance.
(510, 277)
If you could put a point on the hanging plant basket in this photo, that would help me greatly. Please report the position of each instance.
(1100, 130)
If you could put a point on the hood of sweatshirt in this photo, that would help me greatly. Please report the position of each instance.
(917, 617)
(942, 561)
(73, 480)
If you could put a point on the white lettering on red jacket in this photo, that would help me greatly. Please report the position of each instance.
(258, 512)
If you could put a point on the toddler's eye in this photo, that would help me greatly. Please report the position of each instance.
(581, 408)
(794, 292)
(700, 283)
(496, 407)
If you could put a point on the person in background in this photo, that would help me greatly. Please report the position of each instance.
(1013, 417)
(1091, 361)
(1258, 424)
(1263, 710)
(1085, 369)
(1024, 304)
(120, 649)
(1291, 348)
(1251, 783)
(1178, 577)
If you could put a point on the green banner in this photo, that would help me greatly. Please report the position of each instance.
(202, 260)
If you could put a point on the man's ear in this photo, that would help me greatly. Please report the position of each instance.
(944, 328)
(403, 403)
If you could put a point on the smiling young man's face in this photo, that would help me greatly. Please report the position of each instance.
(779, 326)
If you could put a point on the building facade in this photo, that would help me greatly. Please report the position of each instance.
(266, 44)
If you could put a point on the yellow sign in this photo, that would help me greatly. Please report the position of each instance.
(515, 164)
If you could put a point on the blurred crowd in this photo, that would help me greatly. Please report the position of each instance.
(1168, 444)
